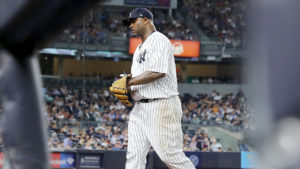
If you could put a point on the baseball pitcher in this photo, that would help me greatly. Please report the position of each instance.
(155, 119)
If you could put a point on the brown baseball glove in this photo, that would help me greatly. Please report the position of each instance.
(119, 89)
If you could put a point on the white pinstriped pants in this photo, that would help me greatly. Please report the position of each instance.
(156, 124)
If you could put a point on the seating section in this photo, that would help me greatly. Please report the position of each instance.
(105, 22)
(221, 19)
(92, 118)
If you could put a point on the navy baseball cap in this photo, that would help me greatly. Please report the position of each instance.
(138, 13)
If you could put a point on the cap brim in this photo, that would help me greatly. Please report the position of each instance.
(126, 22)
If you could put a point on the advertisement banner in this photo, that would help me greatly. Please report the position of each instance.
(62, 160)
(90, 160)
(1, 160)
(182, 48)
(67, 160)
(55, 160)
(195, 157)
(249, 160)
(157, 3)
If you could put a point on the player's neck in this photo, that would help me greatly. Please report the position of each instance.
(147, 34)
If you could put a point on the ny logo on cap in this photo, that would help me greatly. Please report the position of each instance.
(130, 15)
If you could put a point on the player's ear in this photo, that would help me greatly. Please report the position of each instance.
(146, 21)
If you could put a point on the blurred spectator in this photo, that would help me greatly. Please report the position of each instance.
(193, 144)
(215, 147)
(68, 142)
(244, 146)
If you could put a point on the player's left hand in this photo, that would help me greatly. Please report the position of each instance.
(120, 89)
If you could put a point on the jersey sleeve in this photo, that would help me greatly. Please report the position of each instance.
(159, 54)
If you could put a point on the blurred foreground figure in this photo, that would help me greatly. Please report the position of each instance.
(25, 27)
(274, 71)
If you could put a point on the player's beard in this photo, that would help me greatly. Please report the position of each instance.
(134, 33)
(139, 32)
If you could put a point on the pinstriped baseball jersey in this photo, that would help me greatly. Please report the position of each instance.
(156, 123)
(155, 54)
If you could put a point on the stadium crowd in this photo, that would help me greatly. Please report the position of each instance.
(86, 30)
(94, 119)
(222, 19)
(170, 26)
(230, 109)
(102, 23)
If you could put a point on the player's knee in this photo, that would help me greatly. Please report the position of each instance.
(135, 156)
(130, 155)
(174, 159)
(134, 161)
(172, 156)
(167, 156)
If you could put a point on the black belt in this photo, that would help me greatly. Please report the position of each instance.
(147, 100)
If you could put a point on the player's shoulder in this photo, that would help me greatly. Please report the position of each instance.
(160, 36)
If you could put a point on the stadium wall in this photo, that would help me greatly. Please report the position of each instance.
(194, 89)
(107, 67)
(231, 70)
(97, 159)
